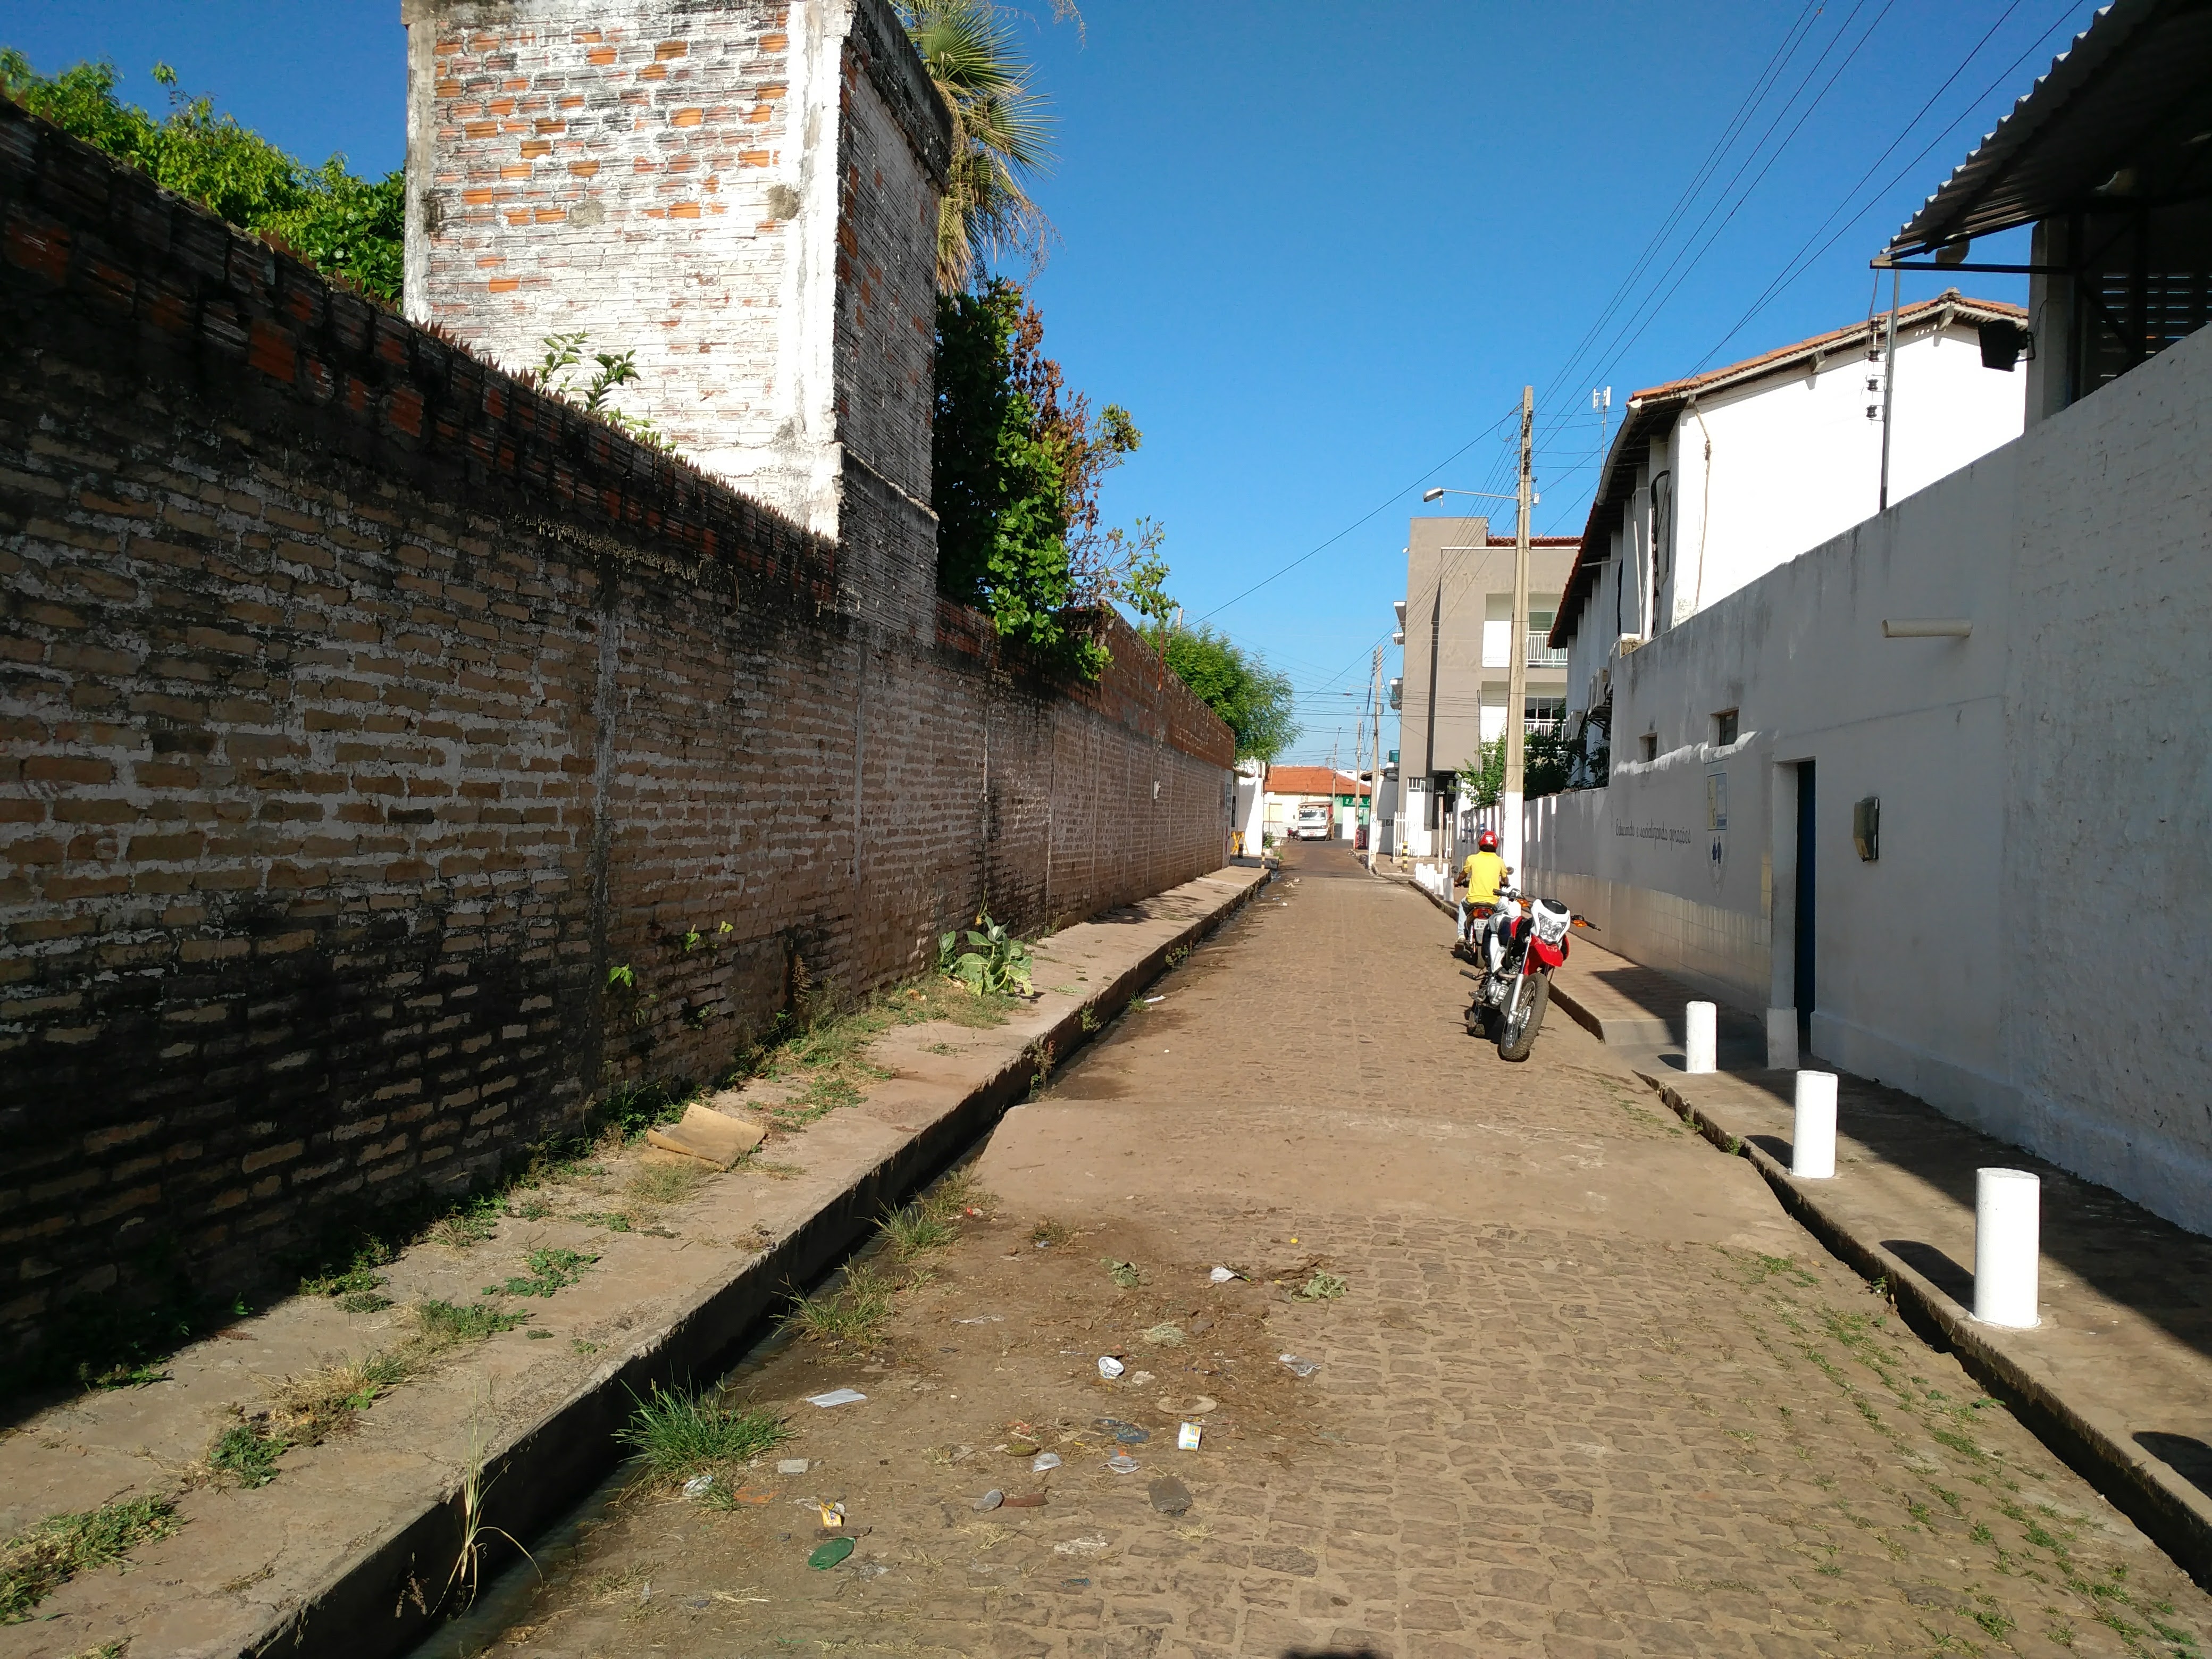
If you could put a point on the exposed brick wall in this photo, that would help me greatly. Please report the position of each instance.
(363, 709)
(744, 194)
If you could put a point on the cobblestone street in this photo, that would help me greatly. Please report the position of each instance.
(1585, 1390)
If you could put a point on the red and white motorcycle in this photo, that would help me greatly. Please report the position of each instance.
(1517, 950)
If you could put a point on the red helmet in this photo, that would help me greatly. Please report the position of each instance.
(1487, 841)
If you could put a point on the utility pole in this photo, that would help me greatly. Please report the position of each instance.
(1516, 684)
(1375, 775)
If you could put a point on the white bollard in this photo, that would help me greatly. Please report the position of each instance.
(2007, 1227)
(1813, 1141)
(1699, 1041)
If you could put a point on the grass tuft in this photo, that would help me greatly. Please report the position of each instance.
(681, 1435)
(470, 1224)
(246, 1452)
(443, 1324)
(39, 1560)
(657, 1184)
(1321, 1287)
(916, 1229)
(848, 1317)
(551, 1270)
(304, 1411)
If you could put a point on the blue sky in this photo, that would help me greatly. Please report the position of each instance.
(1317, 250)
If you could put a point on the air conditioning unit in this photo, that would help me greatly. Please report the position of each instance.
(1397, 693)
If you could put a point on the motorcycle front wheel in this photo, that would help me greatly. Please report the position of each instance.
(1518, 1022)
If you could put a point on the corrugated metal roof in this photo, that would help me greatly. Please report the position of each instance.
(2130, 94)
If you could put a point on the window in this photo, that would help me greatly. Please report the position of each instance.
(1650, 741)
(1724, 727)
(1546, 715)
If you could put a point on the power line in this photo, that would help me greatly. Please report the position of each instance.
(1379, 508)
(1766, 76)
(1799, 263)
(1650, 313)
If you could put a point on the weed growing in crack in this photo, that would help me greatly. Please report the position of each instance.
(472, 1223)
(245, 1453)
(444, 1324)
(304, 1411)
(847, 1315)
(468, 1564)
(551, 1270)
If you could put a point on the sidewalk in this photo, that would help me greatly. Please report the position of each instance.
(348, 1549)
(2118, 1379)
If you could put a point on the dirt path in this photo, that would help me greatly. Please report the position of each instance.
(1586, 1390)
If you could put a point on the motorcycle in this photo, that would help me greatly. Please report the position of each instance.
(1525, 940)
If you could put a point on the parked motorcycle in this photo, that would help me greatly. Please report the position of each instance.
(1525, 938)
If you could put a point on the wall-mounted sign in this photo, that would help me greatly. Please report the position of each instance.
(1866, 827)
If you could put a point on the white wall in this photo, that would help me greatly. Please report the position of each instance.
(1761, 472)
(2030, 951)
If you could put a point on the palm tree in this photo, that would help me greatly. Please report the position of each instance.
(1001, 136)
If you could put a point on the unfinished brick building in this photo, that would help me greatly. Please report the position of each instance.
(366, 709)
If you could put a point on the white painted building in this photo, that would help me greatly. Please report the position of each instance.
(1934, 794)
(1718, 478)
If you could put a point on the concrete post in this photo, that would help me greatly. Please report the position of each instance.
(1699, 1043)
(1812, 1139)
(2007, 1245)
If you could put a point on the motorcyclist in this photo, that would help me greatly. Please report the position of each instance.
(1482, 875)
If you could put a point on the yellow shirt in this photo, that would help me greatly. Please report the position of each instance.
(1483, 872)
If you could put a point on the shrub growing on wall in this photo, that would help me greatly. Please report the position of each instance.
(1016, 462)
(342, 225)
(1253, 700)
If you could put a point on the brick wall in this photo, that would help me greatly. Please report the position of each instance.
(744, 194)
(363, 709)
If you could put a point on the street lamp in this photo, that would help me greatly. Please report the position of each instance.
(1438, 492)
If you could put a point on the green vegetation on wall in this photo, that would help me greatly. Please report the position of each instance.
(1016, 462)
(342, 225)
(1252, 699)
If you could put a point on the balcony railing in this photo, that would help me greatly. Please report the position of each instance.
(1542, 655)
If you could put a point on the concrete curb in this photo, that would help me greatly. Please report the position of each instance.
(369, 1607)
(2175, 1515)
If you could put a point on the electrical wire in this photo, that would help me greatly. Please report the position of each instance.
(1803, 261)
(1766, 76)
(1650, 314)
(1381, 506)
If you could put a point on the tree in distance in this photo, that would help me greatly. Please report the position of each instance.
(1252, 699)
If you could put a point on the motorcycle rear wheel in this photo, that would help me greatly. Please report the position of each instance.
(1516, 1033)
